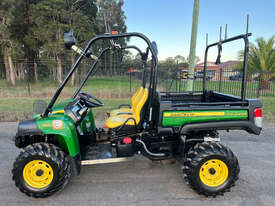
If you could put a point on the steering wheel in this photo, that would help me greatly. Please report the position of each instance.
(88, 103)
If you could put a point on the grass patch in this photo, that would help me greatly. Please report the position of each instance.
(16, 109)
(102, 87)
(268, 109)
(16, 104)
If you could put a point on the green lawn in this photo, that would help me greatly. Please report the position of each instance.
(13, 109)
(108, 87)
(268, 109)
(15, 104)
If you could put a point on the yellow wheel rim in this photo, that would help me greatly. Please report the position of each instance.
(213, 173)
(38, 174)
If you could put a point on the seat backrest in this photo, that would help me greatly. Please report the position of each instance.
(137, 110)
(137, 96)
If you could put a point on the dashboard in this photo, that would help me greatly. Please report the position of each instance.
(76, 110)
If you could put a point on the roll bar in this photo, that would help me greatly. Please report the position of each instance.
(78, 50)
(246, 50)
(219, 44)
(154, 69)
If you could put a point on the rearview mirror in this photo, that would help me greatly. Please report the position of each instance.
(69, 39)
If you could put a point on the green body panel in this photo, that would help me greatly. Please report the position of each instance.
(66, 134)
(88, 123)
(179, 118)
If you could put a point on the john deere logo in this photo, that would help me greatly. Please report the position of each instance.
(57, 124)
(193, 114)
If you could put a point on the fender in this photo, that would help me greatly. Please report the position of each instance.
(59, 125)
(63, 128)
(222, 125)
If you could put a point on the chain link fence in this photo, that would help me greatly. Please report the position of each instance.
(259, 84)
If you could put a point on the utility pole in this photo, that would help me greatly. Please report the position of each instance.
(192, 54)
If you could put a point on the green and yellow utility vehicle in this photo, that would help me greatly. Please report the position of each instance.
(159, 125)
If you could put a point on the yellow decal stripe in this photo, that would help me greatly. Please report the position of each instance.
(58, 112)
(46, 125)
(193, 114)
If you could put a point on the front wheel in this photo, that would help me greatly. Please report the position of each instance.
(211, 168)
(41, 169)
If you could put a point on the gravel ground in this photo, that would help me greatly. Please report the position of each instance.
(142, 182)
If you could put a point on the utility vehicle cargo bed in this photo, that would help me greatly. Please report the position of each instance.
(200, 98)
(205, 111)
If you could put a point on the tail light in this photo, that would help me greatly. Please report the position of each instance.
(127, 140)
(258, 117)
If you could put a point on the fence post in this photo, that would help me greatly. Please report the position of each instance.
(259, 85)
(220, 80)
(27, 72)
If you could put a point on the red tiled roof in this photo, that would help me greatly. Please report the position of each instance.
(212, 65)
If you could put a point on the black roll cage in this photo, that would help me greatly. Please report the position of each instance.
(92, 68)
(245, 60)
(153, 73)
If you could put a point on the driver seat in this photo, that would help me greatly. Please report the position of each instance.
(134, 100)
(137, 114)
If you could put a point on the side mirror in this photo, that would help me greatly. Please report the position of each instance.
(69, 39)
(155, 47)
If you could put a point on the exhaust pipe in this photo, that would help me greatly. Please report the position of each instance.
(150, 154)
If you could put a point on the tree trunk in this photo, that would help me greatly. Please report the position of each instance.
(16, 72)
(21, 71)
(30, 51)
(7, 66)
(59, 68)
(11, 67)
(10, 75)
(31, 64)
(35, 72)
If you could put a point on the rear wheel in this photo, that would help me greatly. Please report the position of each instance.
(211, 168)
(41, 170)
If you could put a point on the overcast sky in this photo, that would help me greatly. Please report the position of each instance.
(168, 22)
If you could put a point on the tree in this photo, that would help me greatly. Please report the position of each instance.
(30, 44)
(9, 19)
(51, 18)
(261, 58)
(262, 55)
(33, 30)
(111, 13)
(197, 59)
(180, 59)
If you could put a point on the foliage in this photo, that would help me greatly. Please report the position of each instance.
(261, 56)
(261, 59)
(35, 28)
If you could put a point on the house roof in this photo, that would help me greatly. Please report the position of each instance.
(212, 65)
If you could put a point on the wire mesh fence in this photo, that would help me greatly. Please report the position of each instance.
(259, 84)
